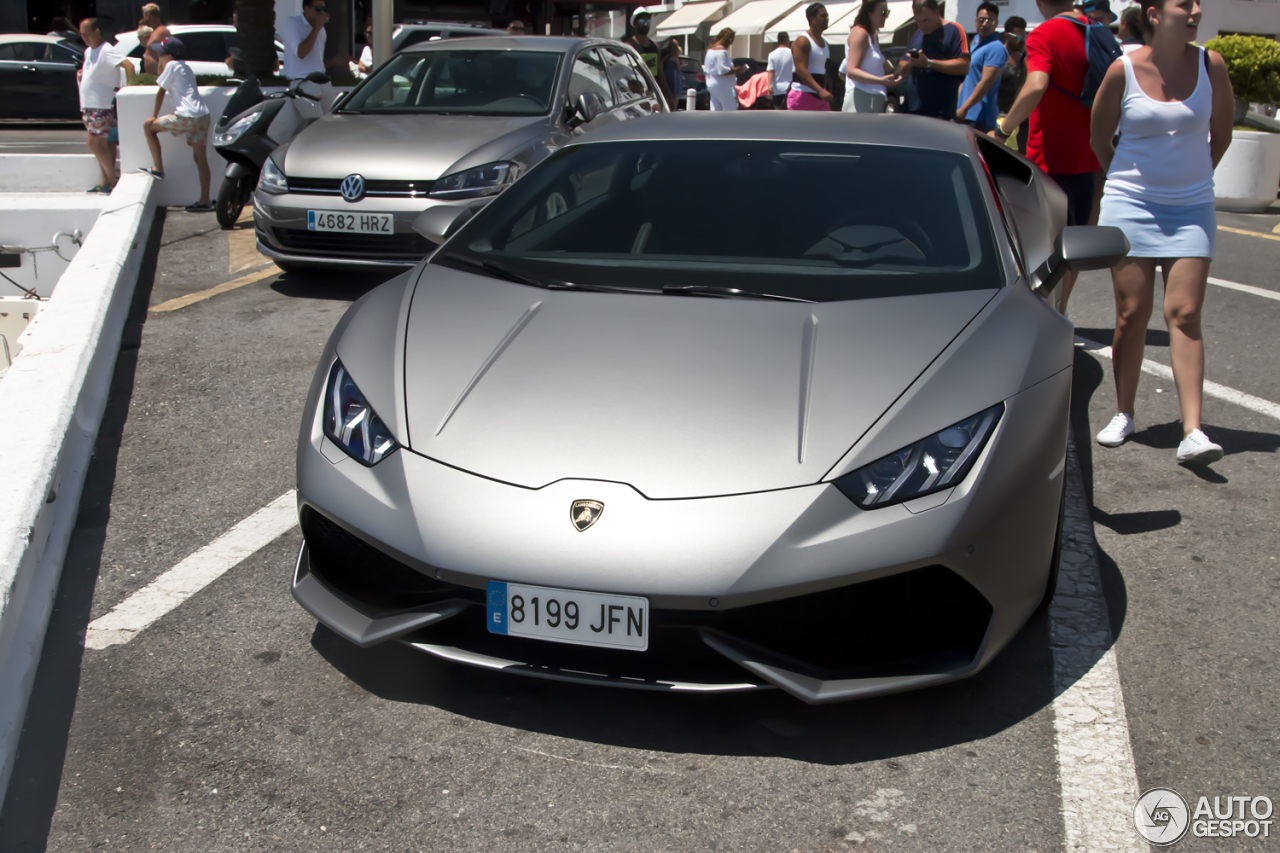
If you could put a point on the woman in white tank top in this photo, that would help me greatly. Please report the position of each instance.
(1172, 103)
(866, 72)
(811, 52)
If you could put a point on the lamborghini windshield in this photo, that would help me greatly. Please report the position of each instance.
(460, 82)
(815, 221)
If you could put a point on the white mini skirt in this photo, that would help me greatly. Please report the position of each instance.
(1162, 230)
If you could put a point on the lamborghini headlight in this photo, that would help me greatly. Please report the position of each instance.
(272, 180)
(490, 179)
(351, 423)
(938, 462)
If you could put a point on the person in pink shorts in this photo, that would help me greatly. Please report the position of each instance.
(810, 51)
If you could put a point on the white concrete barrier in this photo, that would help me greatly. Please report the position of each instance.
(48, 173)
(33, 220)
(181, 184)
(52, 399)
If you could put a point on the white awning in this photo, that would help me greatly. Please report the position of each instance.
(755, 17)
(797, 24)
(686, 20)
(899, 14)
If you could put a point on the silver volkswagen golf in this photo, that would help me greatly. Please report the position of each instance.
(822, 451)
(439, 123)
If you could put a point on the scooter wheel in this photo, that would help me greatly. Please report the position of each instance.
(230, 202)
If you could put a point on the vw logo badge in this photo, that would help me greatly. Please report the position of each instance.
(353, 188)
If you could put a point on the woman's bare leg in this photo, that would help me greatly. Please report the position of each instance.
(1185, 280)
(1134, 282)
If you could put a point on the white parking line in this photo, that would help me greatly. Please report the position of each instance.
(1096, 773)
(193, 574)
(1212, 389)
(1245, 288)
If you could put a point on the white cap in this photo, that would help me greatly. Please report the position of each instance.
(640, 10)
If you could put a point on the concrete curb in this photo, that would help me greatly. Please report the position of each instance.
(53, 398)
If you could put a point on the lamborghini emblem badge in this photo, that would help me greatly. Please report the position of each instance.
(583, 514)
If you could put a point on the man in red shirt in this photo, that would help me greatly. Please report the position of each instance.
(1058, 141)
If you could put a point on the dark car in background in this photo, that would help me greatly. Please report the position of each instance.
(405, 35)
(693, 76)
(750, 68)
(38, 77)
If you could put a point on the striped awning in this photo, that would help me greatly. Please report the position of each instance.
(686, 20)
(756, 17)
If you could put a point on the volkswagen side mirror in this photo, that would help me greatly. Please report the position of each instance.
(1080, 248)
(585, 110)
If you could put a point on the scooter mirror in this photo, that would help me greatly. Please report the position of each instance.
(317, 77)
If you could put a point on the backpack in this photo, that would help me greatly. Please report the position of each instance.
(1100, 49)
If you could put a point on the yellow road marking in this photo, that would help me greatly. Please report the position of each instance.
(1276, 230)
(192, 298)
(1249, 233)
(242, 244)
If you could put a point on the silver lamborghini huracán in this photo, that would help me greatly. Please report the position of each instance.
(612, 432)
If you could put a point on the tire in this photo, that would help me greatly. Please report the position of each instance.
(230, 201)
(1052, 586)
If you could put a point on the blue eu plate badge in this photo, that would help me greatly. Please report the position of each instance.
(311, 220)
(496, 606)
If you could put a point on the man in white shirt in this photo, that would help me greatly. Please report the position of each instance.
(190, 118)
(781, 68)
(98, 77)
(304, 37)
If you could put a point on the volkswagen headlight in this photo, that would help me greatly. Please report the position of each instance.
(351, 423)
(938, 462)
(272, 180)
(238, 127)
(489, 179)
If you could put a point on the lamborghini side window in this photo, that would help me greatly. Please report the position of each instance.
(999, 164)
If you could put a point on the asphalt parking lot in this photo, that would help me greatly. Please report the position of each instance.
(233, 722)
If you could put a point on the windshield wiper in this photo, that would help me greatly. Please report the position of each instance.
(497, 269)
(730, 292)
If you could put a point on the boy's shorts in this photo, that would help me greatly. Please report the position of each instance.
(99, 122)
(195, 129)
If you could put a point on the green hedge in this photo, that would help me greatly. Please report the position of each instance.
(1254, 65)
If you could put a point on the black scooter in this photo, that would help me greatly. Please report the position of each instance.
(241, 138)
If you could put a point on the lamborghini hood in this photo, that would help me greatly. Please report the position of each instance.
(676, 396)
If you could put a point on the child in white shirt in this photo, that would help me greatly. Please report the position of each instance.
(190, 117)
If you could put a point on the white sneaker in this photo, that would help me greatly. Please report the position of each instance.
(1196, 448)
(1117, 432)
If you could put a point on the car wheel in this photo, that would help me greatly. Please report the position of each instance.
(1052, 586)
